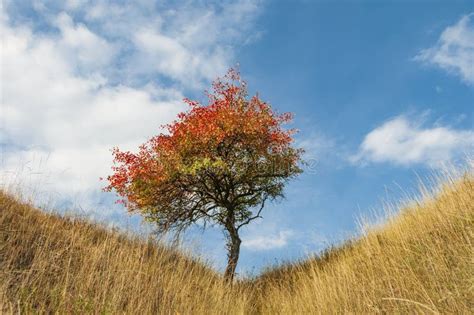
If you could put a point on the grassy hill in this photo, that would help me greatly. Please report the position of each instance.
(420, 260)
(49, 263)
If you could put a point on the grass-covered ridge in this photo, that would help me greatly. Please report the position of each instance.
(54, 264)
(419, 261)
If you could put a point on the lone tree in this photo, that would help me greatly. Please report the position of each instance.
(217, 164)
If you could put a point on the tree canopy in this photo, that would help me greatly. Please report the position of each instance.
(217, 164)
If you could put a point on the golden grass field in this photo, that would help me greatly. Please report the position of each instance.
(419, 261)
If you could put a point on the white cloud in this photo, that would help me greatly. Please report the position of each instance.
(267, 242)
(454, 51)
(70, 121)
(169, 56)
(81, 47)
(404, 142)
(188, 42)
(74, 4)
(72, 91)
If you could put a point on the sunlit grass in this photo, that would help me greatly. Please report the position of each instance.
(420, 260)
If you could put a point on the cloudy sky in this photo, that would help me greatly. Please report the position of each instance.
(382, 94)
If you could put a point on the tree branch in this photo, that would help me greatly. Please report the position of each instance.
(255, 216)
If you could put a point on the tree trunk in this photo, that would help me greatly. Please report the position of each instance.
(233, 247)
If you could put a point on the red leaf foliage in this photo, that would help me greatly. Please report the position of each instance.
(232, 151)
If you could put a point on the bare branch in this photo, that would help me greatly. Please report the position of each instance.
(255, 216)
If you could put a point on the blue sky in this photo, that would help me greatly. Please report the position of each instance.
(382, 93)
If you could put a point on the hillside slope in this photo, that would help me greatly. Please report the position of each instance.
(421, 261)
(49, 263)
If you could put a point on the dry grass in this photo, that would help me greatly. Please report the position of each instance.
(48, 263)
(420, 261)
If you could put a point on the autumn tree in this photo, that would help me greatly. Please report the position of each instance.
(216, 164)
